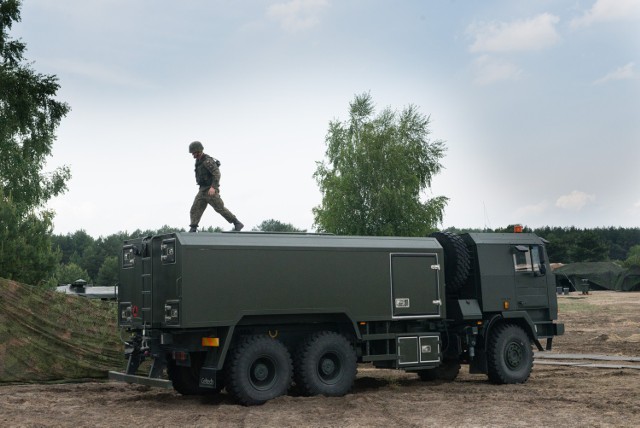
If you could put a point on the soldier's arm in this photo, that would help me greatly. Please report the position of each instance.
(210, 164)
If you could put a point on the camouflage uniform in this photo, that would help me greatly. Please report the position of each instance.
(207, 176)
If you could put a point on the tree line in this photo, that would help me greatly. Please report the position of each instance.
(96, 260)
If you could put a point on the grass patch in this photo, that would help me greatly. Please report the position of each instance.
(580, 305)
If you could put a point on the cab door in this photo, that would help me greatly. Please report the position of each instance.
(530, 277)
(415, 287)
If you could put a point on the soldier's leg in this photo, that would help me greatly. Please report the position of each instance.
(197, 209)
(218, 204)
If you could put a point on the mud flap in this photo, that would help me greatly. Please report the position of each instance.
(208, 377)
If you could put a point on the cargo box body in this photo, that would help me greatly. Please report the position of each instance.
(217, 279)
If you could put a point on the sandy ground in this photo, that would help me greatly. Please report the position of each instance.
(600, 323)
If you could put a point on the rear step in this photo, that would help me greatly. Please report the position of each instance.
(140, 380)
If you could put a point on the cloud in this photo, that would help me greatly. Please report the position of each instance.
(575, 200)
(536, 33)
(297, 15)
(608, 11)
(490, 70)
(621, 73)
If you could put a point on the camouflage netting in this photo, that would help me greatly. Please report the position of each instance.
(50, 336)
(601, 276)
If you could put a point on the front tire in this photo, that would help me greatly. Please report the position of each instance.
(259, 369)
(326, 364)
(509, 356)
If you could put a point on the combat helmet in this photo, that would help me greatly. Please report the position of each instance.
(196, 146)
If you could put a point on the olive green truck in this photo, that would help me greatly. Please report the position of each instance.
(256, 313)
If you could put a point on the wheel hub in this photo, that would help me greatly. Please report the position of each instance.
(513, 355)
(262, 374)
(329, 368)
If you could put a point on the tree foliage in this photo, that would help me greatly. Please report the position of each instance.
(25, 245)
(29, 116)
(633, 259)
(68, 274)
(108, 273)
(590, 248)
(376, 171)
(272, 225)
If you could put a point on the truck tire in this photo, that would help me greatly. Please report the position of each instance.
(509, 355)
(186, 380)
(447, 372)
(457, 261)
(258, 369)
(325, 364)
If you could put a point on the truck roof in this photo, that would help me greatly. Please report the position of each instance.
(506, 238)
(263, 239)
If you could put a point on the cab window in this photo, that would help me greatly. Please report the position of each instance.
(527, 259)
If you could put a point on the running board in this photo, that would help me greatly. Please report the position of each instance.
(140, 380)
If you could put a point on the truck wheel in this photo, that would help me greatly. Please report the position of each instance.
(509, 355)
(457, 261)
(186, 380)
(259, 369)
(447, 372)
(325, 364)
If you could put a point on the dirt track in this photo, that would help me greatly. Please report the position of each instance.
(601, 323)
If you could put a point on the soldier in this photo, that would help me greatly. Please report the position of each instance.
(208, 178)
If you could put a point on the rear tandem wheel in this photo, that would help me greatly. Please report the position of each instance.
(325, 364)
(259, 368)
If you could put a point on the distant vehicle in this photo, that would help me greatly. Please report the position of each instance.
(254, 312)
(81, 288)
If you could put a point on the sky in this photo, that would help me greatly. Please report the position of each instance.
(538, 103)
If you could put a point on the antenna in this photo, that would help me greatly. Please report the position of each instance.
(486, 217)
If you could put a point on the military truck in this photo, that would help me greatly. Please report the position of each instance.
(256, 313)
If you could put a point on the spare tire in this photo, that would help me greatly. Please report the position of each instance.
(457, 261)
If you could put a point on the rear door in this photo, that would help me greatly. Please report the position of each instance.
(415, 290)
(134, 287)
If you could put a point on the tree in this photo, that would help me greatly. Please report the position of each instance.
(375, 172)
(25, 245)
(272, 225)
(589, 247)
(108, 273)
(29, 115)
(69, 273)
(633, 258)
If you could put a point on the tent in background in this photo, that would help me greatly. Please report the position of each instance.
(599, 276)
